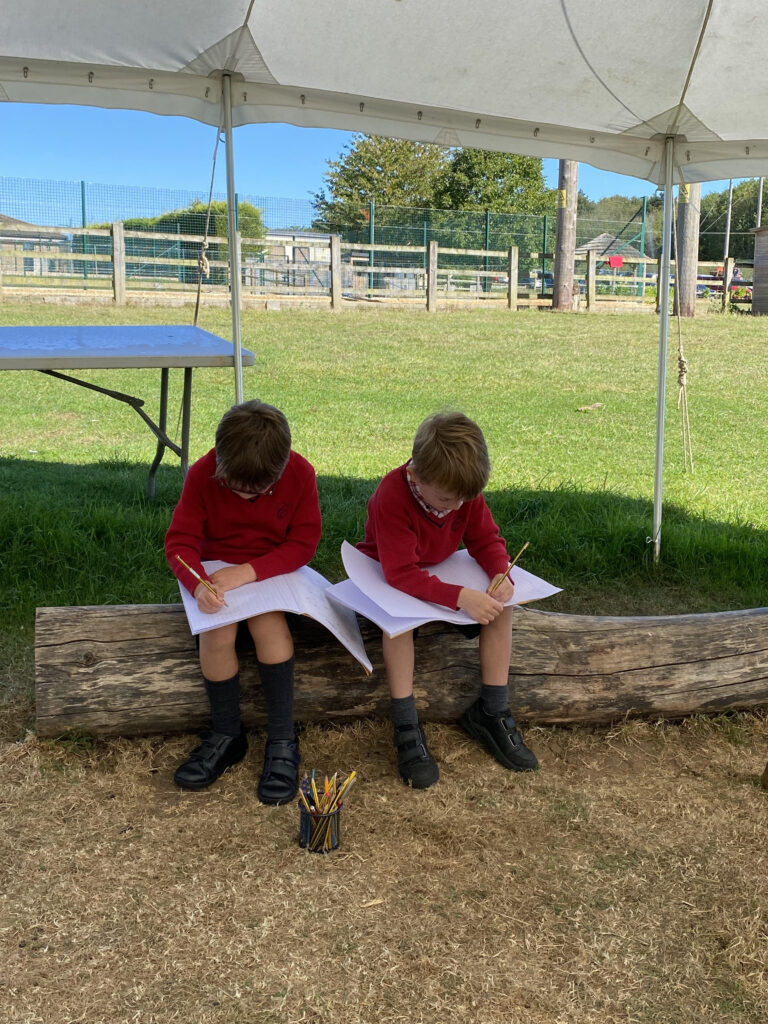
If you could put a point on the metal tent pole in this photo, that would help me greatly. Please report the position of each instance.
(661, 393)
(234, 240)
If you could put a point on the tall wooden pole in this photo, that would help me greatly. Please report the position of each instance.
(687, 248)
(727, 243)
(565, 249)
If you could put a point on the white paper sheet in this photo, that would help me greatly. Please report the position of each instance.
(368, 593)
(303, 592)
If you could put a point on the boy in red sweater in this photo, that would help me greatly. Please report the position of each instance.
(251, 501)
(418, 516)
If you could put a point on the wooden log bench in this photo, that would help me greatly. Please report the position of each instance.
(125, 670)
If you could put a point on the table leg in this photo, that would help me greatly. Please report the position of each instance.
(186, 416)
(163, 421)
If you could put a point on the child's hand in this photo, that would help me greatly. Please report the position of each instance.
(504, 591)
(206, 601)
(480, 606)
(233, 576)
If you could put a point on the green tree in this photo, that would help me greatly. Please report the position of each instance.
(192, 221)
(389, 172)
(500, 182)
(714, 211)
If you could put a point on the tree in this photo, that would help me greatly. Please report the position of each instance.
(743, 220)
(389, 172)
(500, 182)
(192, 221)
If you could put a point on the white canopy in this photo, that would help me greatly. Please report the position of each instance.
(666, 91)
(599, 81)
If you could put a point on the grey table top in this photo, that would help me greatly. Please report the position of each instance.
(51, 348)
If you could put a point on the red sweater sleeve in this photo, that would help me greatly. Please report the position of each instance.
(186, 533)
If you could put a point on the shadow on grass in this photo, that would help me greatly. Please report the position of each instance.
(87, 534)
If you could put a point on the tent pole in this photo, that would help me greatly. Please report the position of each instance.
(234, 241)
(661, 393)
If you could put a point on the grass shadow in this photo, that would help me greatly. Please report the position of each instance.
(87, 534)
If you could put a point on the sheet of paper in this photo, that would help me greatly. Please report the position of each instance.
(460, 568)
(349, 595)
(302, 592)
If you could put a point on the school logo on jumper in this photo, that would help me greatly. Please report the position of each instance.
(283, 511)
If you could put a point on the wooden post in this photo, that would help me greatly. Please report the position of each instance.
(687, 248)
(118, 263)
(591, 280)
(727, 276)
(336, 296)
(658, 284)
(512, 272)
(565, 249)
(432, 277)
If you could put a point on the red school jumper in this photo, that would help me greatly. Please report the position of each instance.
(405, 538)
(276, 532)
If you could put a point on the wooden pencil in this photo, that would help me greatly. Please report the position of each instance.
(501, 578)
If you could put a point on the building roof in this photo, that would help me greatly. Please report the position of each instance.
(607, 244)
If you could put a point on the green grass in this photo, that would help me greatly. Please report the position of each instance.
(75, 527)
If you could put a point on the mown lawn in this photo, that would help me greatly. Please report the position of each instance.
(567, 404)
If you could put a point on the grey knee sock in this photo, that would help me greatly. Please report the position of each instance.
(495, 699)
(403, 710)
(277, 683)
(224, 697)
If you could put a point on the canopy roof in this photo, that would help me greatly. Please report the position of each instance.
(589, 80)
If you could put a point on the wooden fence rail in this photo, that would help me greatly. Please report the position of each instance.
(298, 267)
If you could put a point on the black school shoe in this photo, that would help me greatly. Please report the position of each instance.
(279, 782)
(416, 765)
(500, 737)
(206, 763)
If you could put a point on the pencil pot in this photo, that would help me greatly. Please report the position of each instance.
(319, 833)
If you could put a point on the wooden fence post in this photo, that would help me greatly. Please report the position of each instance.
(727, 277)
(432, 277)
(336, 296)
(591, 280)
(512, 278)
(118, 263)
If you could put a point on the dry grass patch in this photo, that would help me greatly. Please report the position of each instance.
(625, 881)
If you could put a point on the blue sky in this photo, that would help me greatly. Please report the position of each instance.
(115, 147)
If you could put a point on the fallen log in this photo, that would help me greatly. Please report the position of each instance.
(125, 670)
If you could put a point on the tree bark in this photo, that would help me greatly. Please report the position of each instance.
(687, 249)
(126, 670)
(565, 250)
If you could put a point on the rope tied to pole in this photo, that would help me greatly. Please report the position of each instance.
(202, 260)
(203, 265)
(682, 373)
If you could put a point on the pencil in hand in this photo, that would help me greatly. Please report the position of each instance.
(205, 583)
(501, 578)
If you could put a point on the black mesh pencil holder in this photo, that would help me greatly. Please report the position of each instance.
(319, 833)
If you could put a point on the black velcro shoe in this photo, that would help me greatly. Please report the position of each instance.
(500, 737)
(416, 765)
(206, 763)
(279, 782)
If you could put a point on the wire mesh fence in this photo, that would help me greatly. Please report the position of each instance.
(59, 235)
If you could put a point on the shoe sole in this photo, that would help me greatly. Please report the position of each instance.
(408, 781)
(483, 736)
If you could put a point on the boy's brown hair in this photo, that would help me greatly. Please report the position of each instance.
(449, 452)
(253, 442)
